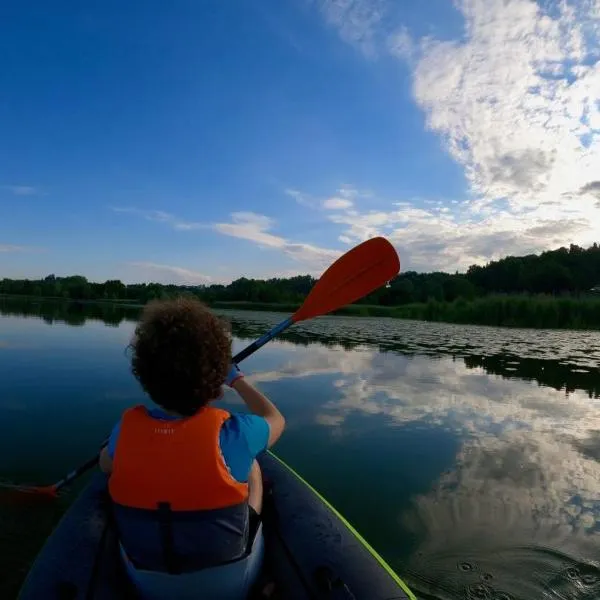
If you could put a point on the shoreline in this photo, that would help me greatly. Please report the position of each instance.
(523, 311)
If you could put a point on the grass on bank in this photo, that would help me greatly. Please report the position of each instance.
(549, 312)
(545, 312)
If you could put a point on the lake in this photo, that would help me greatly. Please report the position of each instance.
(468, 456)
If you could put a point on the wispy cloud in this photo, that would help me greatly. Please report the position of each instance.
(401, 45)
(160, 216)
(514, 101)
(12, 248)
(248, 226)
(302, 198)
(343, 198)
(21, 190)
(255, 228)
(16, 248)
(335, 203)
(358, 21)
(158, 273)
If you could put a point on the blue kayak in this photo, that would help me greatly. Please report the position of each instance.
(310, 550)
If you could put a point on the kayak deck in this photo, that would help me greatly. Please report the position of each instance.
(311, 551)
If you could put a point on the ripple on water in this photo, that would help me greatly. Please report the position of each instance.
(522, 573)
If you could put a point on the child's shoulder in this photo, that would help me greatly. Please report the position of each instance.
(241, 423)
(243, 437)
(250, 430)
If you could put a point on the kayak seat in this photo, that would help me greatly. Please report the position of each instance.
(229, 581)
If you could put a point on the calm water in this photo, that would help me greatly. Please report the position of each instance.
(468, 456)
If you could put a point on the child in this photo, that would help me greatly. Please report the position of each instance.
(185, 485)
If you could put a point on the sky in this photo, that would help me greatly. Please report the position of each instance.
(198, 142)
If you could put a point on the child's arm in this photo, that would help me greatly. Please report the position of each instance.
(258, 404)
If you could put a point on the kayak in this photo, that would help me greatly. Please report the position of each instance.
(310, 549)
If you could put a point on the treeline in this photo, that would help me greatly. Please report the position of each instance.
(77, 287)
(572, 271)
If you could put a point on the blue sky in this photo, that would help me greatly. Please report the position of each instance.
(196, 142)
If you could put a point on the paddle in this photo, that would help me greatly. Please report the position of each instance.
(355, 274)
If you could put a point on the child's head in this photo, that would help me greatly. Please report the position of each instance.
(181, 354)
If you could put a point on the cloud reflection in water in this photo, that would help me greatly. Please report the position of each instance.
(521, 504)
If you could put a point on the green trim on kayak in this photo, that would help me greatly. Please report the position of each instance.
(357, 535)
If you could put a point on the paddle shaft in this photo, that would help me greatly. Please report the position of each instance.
(67, 479)
(261, 341)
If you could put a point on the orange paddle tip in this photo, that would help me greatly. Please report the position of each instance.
(46, 490)
(22, 494)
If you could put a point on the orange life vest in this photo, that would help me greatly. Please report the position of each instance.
(170, 486)
(178, 462)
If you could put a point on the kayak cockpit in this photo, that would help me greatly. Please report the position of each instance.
(310, 551)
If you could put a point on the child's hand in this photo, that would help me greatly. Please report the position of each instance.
(234, 375)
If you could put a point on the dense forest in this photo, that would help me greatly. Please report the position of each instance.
(558, 288)
(571, 270)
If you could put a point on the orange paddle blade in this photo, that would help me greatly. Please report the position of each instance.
(46, 490)
(20, 494)
(357, 273)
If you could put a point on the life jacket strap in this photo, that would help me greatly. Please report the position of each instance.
(165, 519)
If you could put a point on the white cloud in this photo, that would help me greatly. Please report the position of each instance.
(160, 216)
(255, 228)
(21, 190)
(166, 274)
(335, 203)
(526, 466)
(343, 199)
(512, 101)
(437, 238)
(515, 102)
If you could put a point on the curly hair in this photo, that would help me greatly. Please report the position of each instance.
(181, 354)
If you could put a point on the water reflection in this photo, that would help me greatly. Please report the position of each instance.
(516, 511)
(518, 514)
(522, 508)
(71, 313)
(563, 360)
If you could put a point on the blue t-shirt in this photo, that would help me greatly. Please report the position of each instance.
(242, 438)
